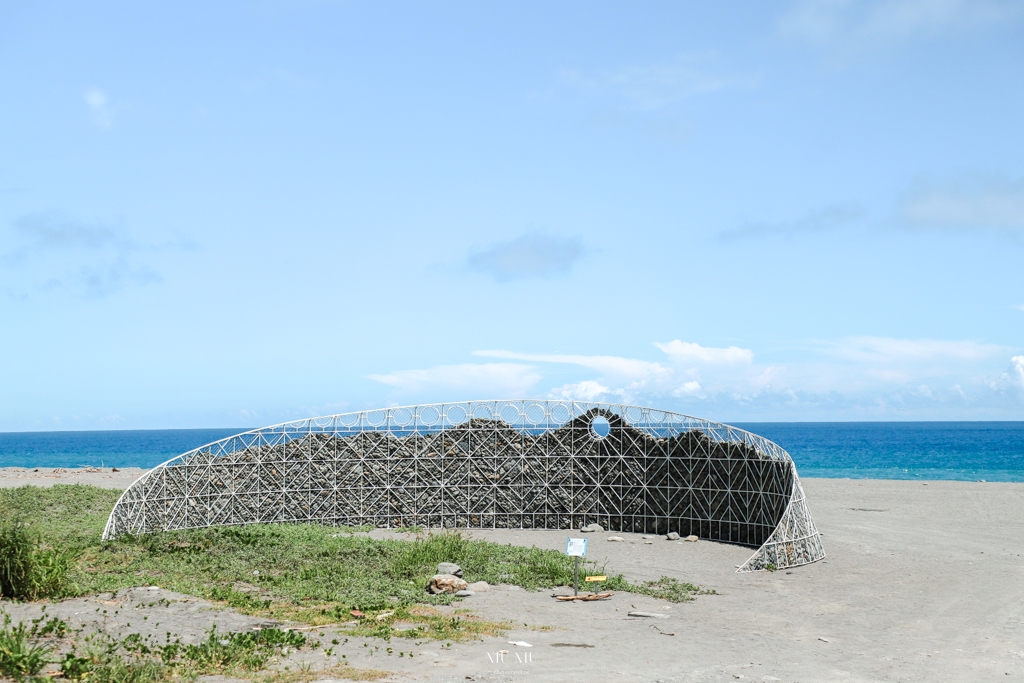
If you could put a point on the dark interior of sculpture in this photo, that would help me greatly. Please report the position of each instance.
(488, 473)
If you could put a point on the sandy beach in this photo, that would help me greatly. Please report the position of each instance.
(923, 582)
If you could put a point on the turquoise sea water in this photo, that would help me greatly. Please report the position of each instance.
(993, 451)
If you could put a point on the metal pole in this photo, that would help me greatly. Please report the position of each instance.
(576, 575)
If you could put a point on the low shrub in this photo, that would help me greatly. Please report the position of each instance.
(28, 571)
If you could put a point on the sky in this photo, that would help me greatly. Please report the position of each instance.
(235, 214)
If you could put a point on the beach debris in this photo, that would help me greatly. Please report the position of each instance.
(824, 640)
(691, 538)
(479, 587)
(356, 613)
(590, 528)
(446, 583)
(664, 633)
(584, 598)
(519, 643)
(672, 536)
(648, 615)
(384, 615)
(648, 542)
(616, 539)
(571, 645)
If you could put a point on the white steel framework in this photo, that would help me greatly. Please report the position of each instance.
(529, 464)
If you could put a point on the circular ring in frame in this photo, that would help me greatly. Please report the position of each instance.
(560, 414)
(455, 415)
(535, 414)
(509, 413)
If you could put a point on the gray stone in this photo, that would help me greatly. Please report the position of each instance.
(480, 587)
(591, 528)
(691, 538)
(616, 539)
(464, 594)
(449, 568)
(672, 536)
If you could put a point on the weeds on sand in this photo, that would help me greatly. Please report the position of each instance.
(22, 654)
(345, 673)
(26, 648)
(665, 588)
(422, 621)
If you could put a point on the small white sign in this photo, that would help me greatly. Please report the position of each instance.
(576, 547)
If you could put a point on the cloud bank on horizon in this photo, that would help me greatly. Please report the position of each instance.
(859, 378)
(242, 214)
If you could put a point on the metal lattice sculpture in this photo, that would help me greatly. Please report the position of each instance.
(491, 464)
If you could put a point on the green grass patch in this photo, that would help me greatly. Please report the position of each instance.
(302, 572)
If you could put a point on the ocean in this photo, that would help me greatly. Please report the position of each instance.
(993, 451)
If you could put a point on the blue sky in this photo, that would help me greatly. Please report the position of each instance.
(234, 214)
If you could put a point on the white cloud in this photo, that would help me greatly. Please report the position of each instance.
(968, 205)
(829, 218)
(862, 377)
(530, 255)
(845, 25)
(99, 105)
(613, 366)
(68, 254)
(486, 380)
(580, 391)
(651, 86)
(53, 231)
(885, 350)
(691, 388)
(689, 352)
(1017, 370)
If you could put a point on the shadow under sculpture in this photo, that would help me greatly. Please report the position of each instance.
(491, 464)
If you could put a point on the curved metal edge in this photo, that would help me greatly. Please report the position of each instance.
(797, 507)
